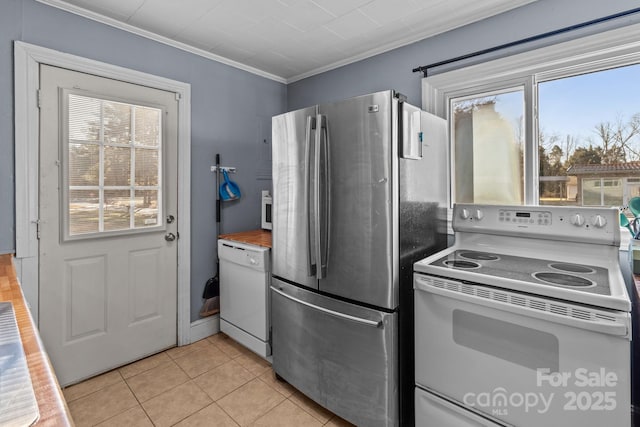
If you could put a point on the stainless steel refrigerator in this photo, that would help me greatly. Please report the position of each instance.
(359, 194)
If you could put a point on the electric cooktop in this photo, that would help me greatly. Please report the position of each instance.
(563, 252)
(538, 271)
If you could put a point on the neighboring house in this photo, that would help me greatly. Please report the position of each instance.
(606, 185)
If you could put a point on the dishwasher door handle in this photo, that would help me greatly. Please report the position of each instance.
(337, 314)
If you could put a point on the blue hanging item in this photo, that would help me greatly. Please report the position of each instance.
(229, 190)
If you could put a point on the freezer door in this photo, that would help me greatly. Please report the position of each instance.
(361, 254)
(293, 136)
(341, 355)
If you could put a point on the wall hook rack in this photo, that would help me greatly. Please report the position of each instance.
(229, 169)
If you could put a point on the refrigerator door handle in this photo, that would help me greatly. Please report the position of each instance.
(324, 198)
(355, 319)
(311, 234)
(316, 197)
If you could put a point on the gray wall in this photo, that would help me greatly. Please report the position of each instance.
(392, 70)
(231, 109)
(231, 115)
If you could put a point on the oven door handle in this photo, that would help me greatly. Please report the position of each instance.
(603, 326)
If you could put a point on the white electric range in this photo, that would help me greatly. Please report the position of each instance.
(524, 321)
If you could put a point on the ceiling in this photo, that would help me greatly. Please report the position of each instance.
(287, 40)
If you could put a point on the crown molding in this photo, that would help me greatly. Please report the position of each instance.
(60, 4)
(442, 27)
(447, 25)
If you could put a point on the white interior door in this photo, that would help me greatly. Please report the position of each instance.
(108, 221)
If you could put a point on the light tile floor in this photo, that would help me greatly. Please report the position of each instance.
(213, 382)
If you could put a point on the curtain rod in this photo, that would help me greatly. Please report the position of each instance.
(425, 68)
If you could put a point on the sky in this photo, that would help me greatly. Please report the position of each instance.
(575, 105)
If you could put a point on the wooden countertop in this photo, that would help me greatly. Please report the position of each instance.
(254, 237)
(51, 404)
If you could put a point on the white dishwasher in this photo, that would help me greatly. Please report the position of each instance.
(245, 276)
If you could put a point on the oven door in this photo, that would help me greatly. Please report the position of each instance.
(522, 359)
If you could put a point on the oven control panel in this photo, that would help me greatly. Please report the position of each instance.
(542, 218)
(569, 223)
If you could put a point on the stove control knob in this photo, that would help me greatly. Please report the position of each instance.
(479, 214)
(599, 221)
(577, 220)
(465, 214)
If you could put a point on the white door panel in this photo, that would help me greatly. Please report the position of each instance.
(85, 290)
(144, 293)
(108, 175)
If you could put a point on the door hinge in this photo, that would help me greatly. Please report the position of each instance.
(271, 337)
(39, 98)
(177, 96)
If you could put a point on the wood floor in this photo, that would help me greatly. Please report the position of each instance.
(213, 382)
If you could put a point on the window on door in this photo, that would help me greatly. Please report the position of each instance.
(114, 152)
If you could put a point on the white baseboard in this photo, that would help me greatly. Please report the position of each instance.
(206, 327)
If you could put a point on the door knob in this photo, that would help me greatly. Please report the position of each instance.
(169, 237)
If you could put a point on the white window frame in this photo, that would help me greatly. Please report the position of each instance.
(597, 52)
(489, 90)
(133, 145)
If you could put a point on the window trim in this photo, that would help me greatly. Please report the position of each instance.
(600, 51)
(505, 87)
